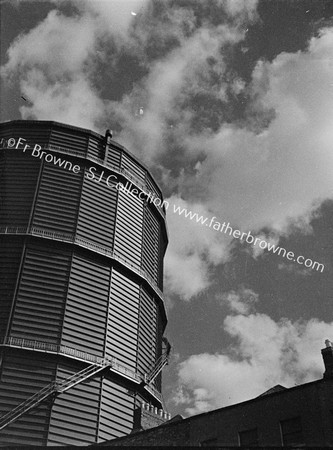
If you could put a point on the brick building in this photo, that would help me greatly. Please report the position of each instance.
(298, 416)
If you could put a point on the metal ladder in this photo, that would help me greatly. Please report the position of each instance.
(54, 388)
(160, 363)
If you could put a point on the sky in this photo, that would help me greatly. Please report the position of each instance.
(237, 102)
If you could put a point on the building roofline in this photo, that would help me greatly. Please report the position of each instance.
(259, 398)
(51, 123)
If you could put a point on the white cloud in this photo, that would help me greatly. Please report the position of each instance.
(267, 353)
(255, 180)
(52, 63)
(258, 250)
(193, 249)
(241, 7)
(242, 301)
(268, 179)
(55, 62)
(59, 45)
(115, 16)
(182, 73)
(72, 102)
(258, 180)
(250, 179)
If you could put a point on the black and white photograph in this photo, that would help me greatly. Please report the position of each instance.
(166, 224)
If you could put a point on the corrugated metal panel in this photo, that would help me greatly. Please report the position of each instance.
(151, 186)
(151, 252)
(32, 134)
(97, 212)
(96, 147)
(128, 237)
(41, 295)
(74, 414)
(58, 199)
(18, 179)
(123, 320)
(116, 413)
(147, 346)
(96, 318)
(10, 258)
(23, 375)
(114, 156)
(132, 166)
(69, 139)
(86, 310)
(160, 331)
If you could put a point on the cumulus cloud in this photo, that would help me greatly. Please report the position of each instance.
(55, 62)
(267, 179)
(67, 49)
(113, 18)
(185, 72)
(263, 171)
(264, 353)
(194, 248)
(180, 50)
(277, 174)
(242, 8)
(60, 45)
(242, 301)
(52, 63)
(72, 101)
(256, 250)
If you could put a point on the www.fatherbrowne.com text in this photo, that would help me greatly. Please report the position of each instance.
(129, 189)
(247, 237)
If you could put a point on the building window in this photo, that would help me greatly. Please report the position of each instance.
(248, 437)
(291, 431)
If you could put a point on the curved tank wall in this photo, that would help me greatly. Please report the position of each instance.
(82, 241)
